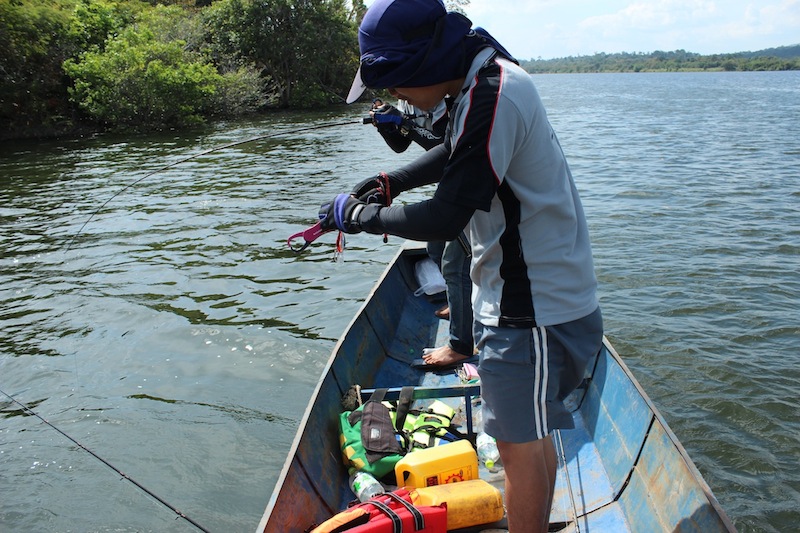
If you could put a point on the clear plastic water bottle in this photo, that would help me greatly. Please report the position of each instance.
(364, 485)
(487, 451)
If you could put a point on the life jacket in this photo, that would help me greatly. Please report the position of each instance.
(387, 513)
(379, 433)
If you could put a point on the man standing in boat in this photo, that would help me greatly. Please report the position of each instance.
(501, 173)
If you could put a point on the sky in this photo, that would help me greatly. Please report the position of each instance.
(547, 29)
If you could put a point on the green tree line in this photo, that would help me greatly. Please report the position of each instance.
(137, 65)
(68, 66)
(784, 58)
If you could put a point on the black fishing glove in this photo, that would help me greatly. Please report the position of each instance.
(372, 190)
(342, 214)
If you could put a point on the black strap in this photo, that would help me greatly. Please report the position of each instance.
(377, 395)
(403, 406)
(419, 520)
(356, 414)
(397, 522)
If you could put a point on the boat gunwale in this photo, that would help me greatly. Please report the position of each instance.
(676, 443)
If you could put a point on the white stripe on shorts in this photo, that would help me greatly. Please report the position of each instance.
(540, 385)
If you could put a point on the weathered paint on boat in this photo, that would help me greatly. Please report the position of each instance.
(627, 470)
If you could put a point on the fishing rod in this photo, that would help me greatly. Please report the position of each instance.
(125, 476)
(198, 154)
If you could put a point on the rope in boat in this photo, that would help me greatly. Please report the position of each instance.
(198, 154)
(125, 476)
(563, 458)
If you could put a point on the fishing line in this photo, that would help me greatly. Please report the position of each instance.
(125, 476)
(563, 458)
(188, 158)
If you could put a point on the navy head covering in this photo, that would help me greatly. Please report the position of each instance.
(415, 43)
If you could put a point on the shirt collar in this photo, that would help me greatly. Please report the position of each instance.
(480, 60)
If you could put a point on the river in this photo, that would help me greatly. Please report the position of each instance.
(178, 338)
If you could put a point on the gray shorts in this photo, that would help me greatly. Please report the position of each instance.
(527, 373)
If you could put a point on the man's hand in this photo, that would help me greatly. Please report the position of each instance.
(342, 214)
(387, 118)
(372, 191)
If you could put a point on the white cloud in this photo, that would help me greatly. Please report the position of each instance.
(530, 28)
(652, 16)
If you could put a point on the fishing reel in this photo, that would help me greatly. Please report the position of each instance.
(367, 120)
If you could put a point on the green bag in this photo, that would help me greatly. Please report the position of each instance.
(378, 434)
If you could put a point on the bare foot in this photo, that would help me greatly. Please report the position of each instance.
(443, 313)
(442, 356)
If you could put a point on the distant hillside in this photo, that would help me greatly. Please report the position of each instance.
(785, 52)
(782, 58)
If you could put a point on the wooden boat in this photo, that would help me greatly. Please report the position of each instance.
(624, 468)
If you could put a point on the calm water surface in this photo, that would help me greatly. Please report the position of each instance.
(179, 339)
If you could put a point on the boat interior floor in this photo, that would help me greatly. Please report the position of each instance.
(583, 492)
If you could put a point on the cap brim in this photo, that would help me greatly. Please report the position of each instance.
(357, 89)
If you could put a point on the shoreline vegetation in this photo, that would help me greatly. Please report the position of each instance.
(77, 67)
(772, 59)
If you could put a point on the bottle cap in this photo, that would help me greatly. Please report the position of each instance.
(489, 463)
